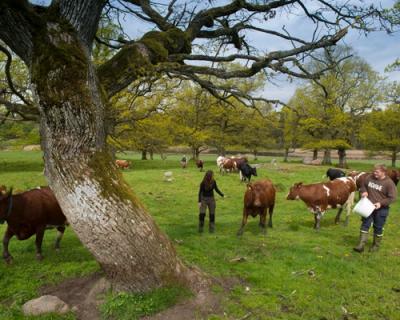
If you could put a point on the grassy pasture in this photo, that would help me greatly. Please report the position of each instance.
(292, 273)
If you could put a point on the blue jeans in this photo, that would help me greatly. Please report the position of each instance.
(378, 217)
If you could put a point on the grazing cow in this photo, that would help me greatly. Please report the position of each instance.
(258, 197)
(30, 213)
(200, 164)
(220, 162)
(228, 165)
(123, 164)
(321, 196)
(246, 171)
(333, 173)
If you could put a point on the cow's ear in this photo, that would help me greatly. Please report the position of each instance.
(249, 186)
(298, 184)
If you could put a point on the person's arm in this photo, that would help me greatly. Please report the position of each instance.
(391, 195)
(217, 190)
(200, 192)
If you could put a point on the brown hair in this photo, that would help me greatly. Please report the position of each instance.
(208, 180)
(381, 167)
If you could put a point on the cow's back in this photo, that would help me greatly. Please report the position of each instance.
(339, 190)
(262, 191)
(37, 206)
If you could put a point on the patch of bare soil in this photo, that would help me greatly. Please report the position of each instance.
(84, 296)
(81, 294)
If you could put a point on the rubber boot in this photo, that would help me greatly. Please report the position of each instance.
(376, 244)
(363, 241)
(201, 222)
(212, 223)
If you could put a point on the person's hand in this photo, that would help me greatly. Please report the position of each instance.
(377, 205)
(364, 194)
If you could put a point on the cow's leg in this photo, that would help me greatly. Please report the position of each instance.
(244, 221)
(6, 239)
(337, 218)
(317, 220)
(60, 233)
(263, 219)
(271, 210)
(38, 242)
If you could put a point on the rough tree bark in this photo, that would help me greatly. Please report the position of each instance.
(107, 217)
(327, 157)
(342, 158)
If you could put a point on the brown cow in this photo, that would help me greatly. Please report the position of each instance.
(321, 196)
(259, 197)
(30, 213)
(123, 164)
(228, 165)
(199, 164)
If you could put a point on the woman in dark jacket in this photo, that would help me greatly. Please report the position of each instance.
(206, 199)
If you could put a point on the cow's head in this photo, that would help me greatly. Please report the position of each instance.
(254, 171)
(294, 191)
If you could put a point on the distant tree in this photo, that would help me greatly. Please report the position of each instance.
(381, 131)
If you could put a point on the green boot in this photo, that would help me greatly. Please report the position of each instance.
(363, 241)
(376, 244)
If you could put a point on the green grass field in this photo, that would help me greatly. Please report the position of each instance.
(293, 272)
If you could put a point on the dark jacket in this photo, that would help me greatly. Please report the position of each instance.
(203, 192)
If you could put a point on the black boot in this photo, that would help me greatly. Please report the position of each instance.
(212, 223)
(201, 222)
(376, 244)
(363, 241)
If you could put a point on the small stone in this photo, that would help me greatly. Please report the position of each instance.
(45, 304)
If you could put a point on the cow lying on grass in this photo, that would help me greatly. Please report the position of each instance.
(29, 213)
(259, 197)
(321, 196)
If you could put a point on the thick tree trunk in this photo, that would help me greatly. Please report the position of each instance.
(327, 157)
(394, 158)
(144, 154)
(195, 153)
(255, 153)
(151, 153)
(315, 154)
(286, 155)
(342, 158)
(106, 216)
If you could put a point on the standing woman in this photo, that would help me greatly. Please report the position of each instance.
(206, 199)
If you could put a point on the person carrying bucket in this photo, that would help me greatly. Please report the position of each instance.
(381, 191)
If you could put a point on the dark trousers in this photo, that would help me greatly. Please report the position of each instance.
(210, 203)
(378, 218)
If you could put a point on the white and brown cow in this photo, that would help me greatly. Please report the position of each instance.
(321, 196)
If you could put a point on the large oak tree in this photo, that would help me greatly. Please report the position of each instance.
(71, 98)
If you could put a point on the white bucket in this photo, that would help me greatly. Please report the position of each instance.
(364, 207)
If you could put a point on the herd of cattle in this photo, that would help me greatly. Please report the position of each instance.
(33, 211)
